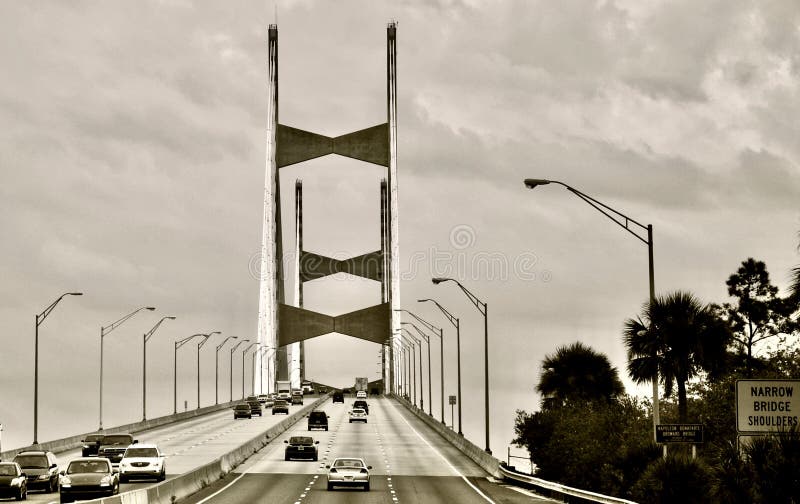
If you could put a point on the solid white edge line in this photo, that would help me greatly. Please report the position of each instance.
(468, 482)
(223, 488)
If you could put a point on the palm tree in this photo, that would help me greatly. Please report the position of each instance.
(795, 287)
(678, 337)
(577, 373)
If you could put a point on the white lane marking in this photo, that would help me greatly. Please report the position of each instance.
(468, 482)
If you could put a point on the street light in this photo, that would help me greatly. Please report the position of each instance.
(231, 368)
(453, 320)
(216, 368)
(199, 346)
(416, 340)
(428, 341)
(484, 309)
(264, 351)
(39, 319)
(410, 371)
(624, 222)
(437, 331)
(145, 338)
(248, 347)
(103, 332)
(178, 344)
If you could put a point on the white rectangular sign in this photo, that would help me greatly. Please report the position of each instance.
(767, 405)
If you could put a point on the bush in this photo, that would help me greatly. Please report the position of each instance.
(676, 480)
(775, 463)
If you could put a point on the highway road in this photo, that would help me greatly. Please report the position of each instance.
(410, 464)
(188, 444)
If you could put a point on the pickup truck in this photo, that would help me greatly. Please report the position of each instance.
(113, 446)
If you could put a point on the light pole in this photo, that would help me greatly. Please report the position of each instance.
(103, 332)
(39, 319)
(624, 222)
(437, 331)
(178, 344)
(241, 342)
(416, 340)
(248, 347)
(216, 368)
(484, 309)
(410, 368)
(199, 346)
(145, 338)
(453, 320)
(428, 341)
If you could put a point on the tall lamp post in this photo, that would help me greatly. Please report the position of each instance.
(244, 352)
(428, 341)
(415, 340)
(199, 346)
(241, 342)
(484, 309)
(39, 319)
(453, 320)
(216, 368)
(145, 338)
(624, 222)
(437, 331)
(410, 370)
(178, 344)
(103, 332)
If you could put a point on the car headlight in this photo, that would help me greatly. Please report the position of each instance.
(105, 481)
(66, 482)
(17, 481)
(43, 476)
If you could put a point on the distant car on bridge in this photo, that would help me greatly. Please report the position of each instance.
(142, 461)
(280, 406)
(91, 444)
(88, 478)
(358, 415)
(360, 403)
(301, 447)
(317, 420)
(348, 472)
(13, 482)
(338, 396)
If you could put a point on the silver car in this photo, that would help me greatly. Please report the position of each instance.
(358, 415)
(348, 472)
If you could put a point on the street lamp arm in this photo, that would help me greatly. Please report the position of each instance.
(40, 318)
(225, 341)
(207, 337)
(424, 322)
(107, 329)
(152, 331)
(424, 336)
(185, 340)
(453, 320)
(241, 342)
(248, 347)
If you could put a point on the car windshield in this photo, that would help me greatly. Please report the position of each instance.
(301, 440)
(117, 439)
(141, 452)
(318, 415)
(348, 463)
(88, 466)
(31, 461)
(7, 470)
(280, 403)
(243, 406)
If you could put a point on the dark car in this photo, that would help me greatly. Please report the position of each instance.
(242, 411)
(297, 397)
(301, 447)
(338, 397)
(113, 446)
(13, 482)
(41, 468)
(255, 407)
(280, 406)
(317, 420)
(88, 478)
(91, 444)
(361, 403)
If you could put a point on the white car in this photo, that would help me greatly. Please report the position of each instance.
(361, 394)
(142, 461)
(358, 415)
(348, 472)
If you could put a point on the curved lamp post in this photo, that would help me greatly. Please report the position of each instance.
(199, 346)
(39, 319)
(145, 338)
(103, 332)
(216, 367)
(484, 309)
(625, 223)
(453, 320)
(178, 344)
(428, 341)
(437, 331)
(418, 342)
(248, 347)
(241, 342)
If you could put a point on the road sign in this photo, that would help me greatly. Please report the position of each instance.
(767, 405)
(452, 399)
(679, 433)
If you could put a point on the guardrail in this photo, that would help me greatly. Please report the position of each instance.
(497, 469)
(188, 483)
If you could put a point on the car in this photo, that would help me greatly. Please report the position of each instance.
(323, 390)
(41, 469)
(297, 397)
(358, 415)
(317, 420)
(88, 478)
(301, 447)
(255, 407)
(113, 446)
(360, 403)
(338, 397)
(262, 398)
(91, 444)
(361, 394)
(142, 461)
(13, 481)
(242, 410)
(348, 472)
(280, 406)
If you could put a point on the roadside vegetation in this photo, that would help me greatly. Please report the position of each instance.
(589, 434)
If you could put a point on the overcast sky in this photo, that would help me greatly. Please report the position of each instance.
(132, 160)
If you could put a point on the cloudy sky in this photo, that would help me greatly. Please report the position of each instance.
(132, 162)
